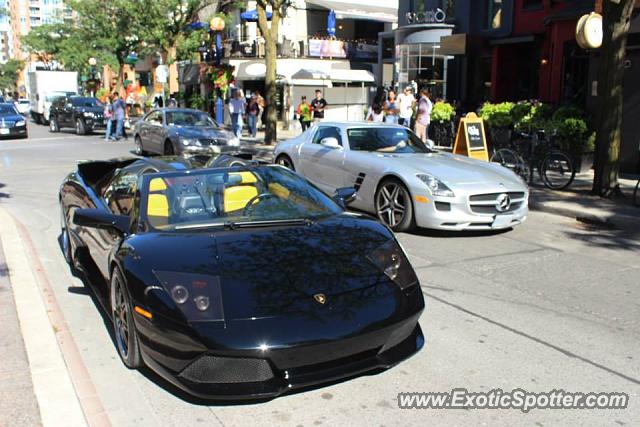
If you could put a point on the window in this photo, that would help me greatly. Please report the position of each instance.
(494, 14)
(120, 193)
(327, 132)
(385, 140)
(154, 117)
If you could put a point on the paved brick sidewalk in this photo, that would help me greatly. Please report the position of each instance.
(18, 405)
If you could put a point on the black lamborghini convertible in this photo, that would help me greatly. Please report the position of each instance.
(238, 282)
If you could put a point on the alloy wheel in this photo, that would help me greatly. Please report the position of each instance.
(121, 318)
(391, 204)
(286, 162)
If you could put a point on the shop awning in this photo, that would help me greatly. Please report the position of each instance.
(386, 11)
(356, 76)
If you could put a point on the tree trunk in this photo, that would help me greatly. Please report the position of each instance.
(271, 37)
(120, 80)
(616, 18)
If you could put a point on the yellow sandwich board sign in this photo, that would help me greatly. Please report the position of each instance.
(470, 138)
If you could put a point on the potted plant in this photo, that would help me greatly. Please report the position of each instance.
(499, 122)
(571, 135)
(441, 127)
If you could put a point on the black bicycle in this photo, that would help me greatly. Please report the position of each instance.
(527, 151)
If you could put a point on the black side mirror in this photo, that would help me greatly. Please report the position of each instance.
(95, 218)
(344, 196)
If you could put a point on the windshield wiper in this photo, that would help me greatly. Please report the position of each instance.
(232, 225)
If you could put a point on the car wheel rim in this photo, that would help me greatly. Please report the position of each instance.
(120, 317)
(138, 146)
(66, 248)
(78, 127)
(392, 204)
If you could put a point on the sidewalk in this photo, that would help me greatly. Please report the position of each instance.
(577, 202)
(18, 404)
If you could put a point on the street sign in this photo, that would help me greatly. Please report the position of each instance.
(470, 138)
(162, 74)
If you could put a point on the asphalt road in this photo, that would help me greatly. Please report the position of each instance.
(549, 305)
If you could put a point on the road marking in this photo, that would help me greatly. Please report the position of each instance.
(46, 336)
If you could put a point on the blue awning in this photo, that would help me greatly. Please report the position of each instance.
(252, 15)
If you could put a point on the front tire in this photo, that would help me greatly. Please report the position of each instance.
(81, 128)
(139, 149)
(123, 324)
(394, 206)
(53, 125)
(284, 160)
(168, 148)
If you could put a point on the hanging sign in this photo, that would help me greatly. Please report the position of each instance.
(470, 138)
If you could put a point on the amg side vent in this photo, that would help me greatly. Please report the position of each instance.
(359, 180)
(229, 370)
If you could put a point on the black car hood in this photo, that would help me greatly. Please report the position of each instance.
(268, 272)
(90, 109)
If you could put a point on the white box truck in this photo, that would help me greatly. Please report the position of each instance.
(45, 86)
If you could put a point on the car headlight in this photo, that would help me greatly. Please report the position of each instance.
(197, 296)
(88, 114)
(437, 187)
(190, 141)
(393, 262)
(21, 123)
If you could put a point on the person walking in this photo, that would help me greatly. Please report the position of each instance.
(236, 108)
(376, 114)
(108, 115)
(406, 104)
(304, 112)
(423, 118)
(391, 108)
(119, 114)
(318, 105)
(261, 103)
(253, 110)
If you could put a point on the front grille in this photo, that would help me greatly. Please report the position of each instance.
(227, 370)
(487, 204)
(209, 141)
(492, 210)
(493, 196)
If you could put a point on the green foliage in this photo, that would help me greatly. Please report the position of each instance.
(520, 110)
(570, 112)
(571, 134)
(442, 112)
(9, 73)
(497, 115)
(196, 101)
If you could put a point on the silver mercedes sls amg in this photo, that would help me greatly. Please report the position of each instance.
(403, 181)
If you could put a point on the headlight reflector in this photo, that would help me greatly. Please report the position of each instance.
(197, 296)
(437, 187)
(21, 123)
(180, 294)
(190, 141)
(391, 259)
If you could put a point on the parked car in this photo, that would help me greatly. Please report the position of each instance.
(23, 106)
(171, 131)
(238, 282)
(12, 123)
(404, 182)
(81, 113)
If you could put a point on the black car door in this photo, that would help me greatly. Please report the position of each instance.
(66, 118)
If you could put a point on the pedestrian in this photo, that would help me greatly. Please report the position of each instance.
(391, 108)
(423, 118)
(236, 108)
(108, 115)
(119, 113)
(318, 105)
(406, 104)
(376, 114)
(252, 115)
(304, 112)
(261, 104)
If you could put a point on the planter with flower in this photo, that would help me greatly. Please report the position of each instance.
(499, 122)
(221, 76)
(441, 130)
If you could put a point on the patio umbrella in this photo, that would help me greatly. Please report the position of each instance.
(252, 15)
(331, 24)
(196, 25)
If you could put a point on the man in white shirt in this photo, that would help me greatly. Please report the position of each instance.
(236, 109)
(407, 102)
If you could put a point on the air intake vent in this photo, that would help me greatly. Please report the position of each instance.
(213, 369)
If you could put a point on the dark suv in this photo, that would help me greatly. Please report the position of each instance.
(82, 113)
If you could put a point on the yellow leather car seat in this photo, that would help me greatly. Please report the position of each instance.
(158, 203)
(239, 191)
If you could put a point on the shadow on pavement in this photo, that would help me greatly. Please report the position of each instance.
(606, 237)
(2, 194)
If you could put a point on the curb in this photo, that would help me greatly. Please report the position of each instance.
(61, 382)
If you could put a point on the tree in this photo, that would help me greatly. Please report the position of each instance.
(9, 73)
(616, 19)
(270, 33)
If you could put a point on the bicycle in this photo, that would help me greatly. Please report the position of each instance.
(555, 167)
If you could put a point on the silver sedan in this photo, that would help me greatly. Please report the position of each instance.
(404, 182)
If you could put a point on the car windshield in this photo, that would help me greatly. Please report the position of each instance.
(189, 118)
(385, 140)
(85, 102)
(8, 109)
(230, 197)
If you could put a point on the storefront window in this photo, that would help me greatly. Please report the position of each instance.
(424, 65)
(494, 14)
